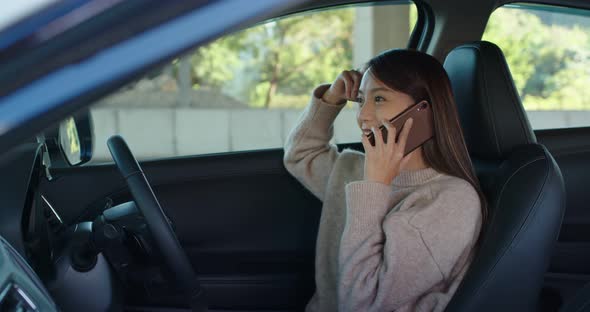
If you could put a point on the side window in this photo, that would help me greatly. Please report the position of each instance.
(245, 91)
(548, 51)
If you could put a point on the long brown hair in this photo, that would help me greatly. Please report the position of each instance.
(422, 77)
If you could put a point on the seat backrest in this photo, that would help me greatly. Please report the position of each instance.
(521, 180)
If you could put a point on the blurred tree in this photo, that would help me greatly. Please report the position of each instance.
(299, 52)
(549, 63)
(276, 64)
(289, 56)
(519, 36)
(214, 64)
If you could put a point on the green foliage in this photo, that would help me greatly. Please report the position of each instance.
(278, 63)
(549, 62)
(214, 64)
(287, 57)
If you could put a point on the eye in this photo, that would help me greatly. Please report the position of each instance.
(361, 101)
(379, 98)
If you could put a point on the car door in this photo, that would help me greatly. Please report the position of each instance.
(209, 127)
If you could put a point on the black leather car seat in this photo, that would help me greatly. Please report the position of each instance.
(520, 178)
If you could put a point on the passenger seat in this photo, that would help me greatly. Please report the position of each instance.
(520, 178)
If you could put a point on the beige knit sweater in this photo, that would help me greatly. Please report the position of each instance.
(398, 247)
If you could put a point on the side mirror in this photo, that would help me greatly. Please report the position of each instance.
(71, 143)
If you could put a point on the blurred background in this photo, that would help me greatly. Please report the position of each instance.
(246, 90)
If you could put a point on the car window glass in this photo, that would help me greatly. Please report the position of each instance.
(246, 90)
(548, 51)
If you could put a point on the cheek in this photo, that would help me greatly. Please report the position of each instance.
(385, 113)
(388, 111)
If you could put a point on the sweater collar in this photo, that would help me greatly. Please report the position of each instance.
(408, 178)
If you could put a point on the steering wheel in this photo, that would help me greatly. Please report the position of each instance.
(163, 235)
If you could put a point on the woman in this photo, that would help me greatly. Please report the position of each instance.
(396, 233)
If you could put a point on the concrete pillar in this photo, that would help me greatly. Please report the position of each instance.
(184, 81)
(378, 28)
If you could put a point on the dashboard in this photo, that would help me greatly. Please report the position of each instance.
(37, 267)
(20, 288)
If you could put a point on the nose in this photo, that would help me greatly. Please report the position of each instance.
(366, 115)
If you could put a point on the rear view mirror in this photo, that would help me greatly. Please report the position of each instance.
(69, 141)
(75, 139)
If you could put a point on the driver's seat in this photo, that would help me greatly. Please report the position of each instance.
(522, 183)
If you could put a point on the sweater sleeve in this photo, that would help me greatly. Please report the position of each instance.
(386, 262)
(309, 156)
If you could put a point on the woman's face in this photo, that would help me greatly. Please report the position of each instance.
(378, 102)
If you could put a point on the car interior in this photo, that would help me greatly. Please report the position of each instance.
(234, 231)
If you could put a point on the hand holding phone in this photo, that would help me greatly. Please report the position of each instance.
(422, 129)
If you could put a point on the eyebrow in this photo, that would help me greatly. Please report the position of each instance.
(375, 90)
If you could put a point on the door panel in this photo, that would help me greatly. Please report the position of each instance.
(247, 225)
(569, 268)
(250, 228)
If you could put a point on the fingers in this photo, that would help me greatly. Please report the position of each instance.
(403, 137)
(378, 135)
(356, 78)
(366, 144)
(352, 81)
(347, 84)
(391, 132)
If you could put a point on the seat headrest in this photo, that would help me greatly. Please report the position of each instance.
(491, 113)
